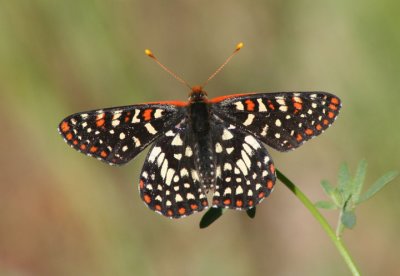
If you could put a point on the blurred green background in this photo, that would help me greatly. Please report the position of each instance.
(62, 213)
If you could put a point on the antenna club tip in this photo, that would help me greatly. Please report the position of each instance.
(149, 53)
(239, 46)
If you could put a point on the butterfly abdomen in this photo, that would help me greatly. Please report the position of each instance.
(199, 113)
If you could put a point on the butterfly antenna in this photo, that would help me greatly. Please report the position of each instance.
(151, 55)
(238, 47)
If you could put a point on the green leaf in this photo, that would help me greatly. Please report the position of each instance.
(344, 179)
(328, 188)
(349, 219)
(378, 185)
(358, 181)
(251, 212)
(326, 205)
(210, 216)
(337, 197)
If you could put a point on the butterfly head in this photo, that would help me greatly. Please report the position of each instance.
(197, 94)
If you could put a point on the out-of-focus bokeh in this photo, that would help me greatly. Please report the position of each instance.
(62, 213)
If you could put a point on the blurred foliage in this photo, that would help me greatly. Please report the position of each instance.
(347, 195)
(64, 213)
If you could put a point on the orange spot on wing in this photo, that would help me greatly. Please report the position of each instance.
(181, 211)
(331, 115)
(100, 122)
(194, 206)
(158, 207)
(69, 136)
(220, 99)
(333, 107)
(227, 201)
(318, 127)
(299, 137)
(147, 114)
(126, 119)
(297, 105)
(250, 203)
(83, 147)
(261, 195)
(147, 199)
(335, 100)
(325, 122)
(309, 131)
(270, 184)
(204, 202)
(141, 184)
(250, 105)
(64, 127)
(270, 105)
(239, 203)
(103, 154)
(272, 168)
(93, 149)
(75, 142)
(169, 213)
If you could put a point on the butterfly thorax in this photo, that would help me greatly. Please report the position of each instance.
(199, 118)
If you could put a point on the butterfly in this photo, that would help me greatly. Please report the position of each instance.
(203, 145)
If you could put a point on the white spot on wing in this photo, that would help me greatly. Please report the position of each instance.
(261, 106)
(252, 142)
(170, 174)
(226, 135)
(177, 141)
(135, 119)
(239, 106)
(150, 128)
(248, 121)
(154, 153)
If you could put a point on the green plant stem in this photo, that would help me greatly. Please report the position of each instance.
(325, 225)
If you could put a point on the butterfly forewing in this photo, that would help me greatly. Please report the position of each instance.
(245, 172)
(282, 120)
(169, 182)
(116, 135)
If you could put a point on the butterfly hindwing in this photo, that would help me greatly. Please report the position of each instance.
(245, 172)
(116, 135)
(169, 182)
(283, 120)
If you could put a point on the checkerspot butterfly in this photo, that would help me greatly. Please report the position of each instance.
(203, 145)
